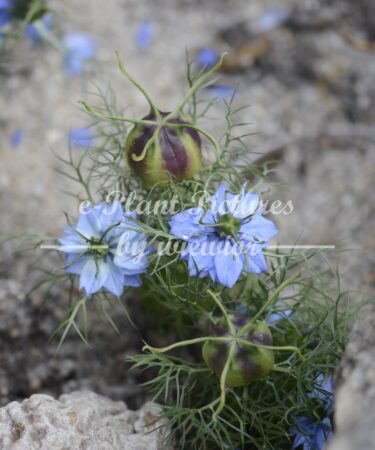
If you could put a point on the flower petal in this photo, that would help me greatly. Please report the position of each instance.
(75, 262)
(256, 262)
(88, 224)
(72, 243)
(93, 276)
(185, 224)
(132, 280)
(229, 265)
(115, 280)
(132, 257)
(258, 227)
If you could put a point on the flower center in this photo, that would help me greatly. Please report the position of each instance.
(97, 247)
(228, 225)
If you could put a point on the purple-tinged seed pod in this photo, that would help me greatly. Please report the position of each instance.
(248, 363)
(171, 153)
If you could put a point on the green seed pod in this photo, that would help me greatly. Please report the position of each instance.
(248, 363)
(158, 152)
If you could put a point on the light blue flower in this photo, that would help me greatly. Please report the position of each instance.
(310, 434)
(5, 14)
(81, 137)
(5, 11)
(272, 319)
(227, 239)
(271, 19)
(106, 249)
(144, 36)
(278, 315)
(80, 48)
(222, 91)
(16, 138)
(32, 32)
(323, 391)
(206, 58)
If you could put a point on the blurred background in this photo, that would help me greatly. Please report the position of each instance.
(306, 68)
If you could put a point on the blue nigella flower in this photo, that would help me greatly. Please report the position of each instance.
(81, 137)
(324, 391)
(145, 34)
(272, 319)
(221, 91)
(5, 14)
(272, 19)
(206, 58)
(278, 315)
(309, 434)
(106, 249)
(80, 47)
(32, 32)
(227, 239)
(313, 436)
(16, 138)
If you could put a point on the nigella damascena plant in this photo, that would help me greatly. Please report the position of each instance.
(262, 322)
(227, 239)
(105, 249)
(167, 149)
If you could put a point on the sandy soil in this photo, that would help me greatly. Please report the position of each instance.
(311, 97)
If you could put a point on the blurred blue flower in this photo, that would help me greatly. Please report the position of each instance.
(5, 14)
(278, 315)
(271, 19)
(5, 11)
(80, 47)
(46, 21)
(206, 58)
(222, 91)
(243, 310)
(144, 36)
(272, 319)
(16, 138)
(324, 391)
(226, 239)
(81, 137)
(106, 249)
(309, 434)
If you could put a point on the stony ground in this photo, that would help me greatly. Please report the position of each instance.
(311, 94)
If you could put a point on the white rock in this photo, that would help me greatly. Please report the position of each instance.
(81, 420)
(355, 389)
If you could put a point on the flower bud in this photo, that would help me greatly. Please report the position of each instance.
(172, 153)
(249, 363)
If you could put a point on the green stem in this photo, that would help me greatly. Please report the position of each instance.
(48, 36)
(205, 133)
(183, 343)
(146, 147)
(290, 348)
(138, 86)
(223, 310)
(195, 87)
(276, 368)
(269, 302)
(223, 379)
(100, 115)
